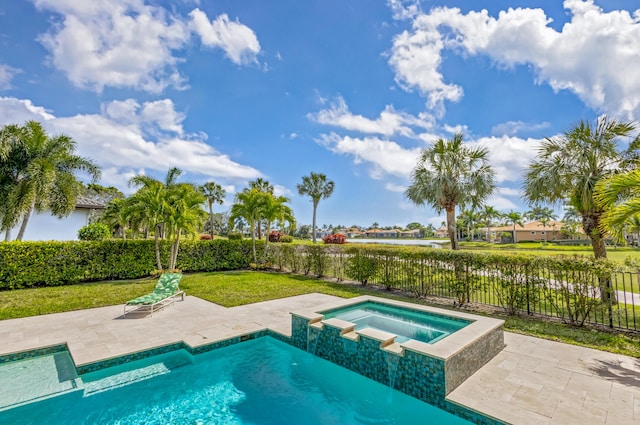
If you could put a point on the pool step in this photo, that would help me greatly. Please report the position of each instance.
(137, 371)
(37, 378)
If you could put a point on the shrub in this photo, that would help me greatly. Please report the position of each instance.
(205, 237)
(361, 267)
(274, 236)
(235, 236)
(28, 264)
(94, 232)
(336, 238)
(286, 239)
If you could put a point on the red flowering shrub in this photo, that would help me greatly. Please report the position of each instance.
(274, 236)
(336, 238)
(205, 237)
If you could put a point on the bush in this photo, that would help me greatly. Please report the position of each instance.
(205, 237)
(361, 268)
(274, 236)
(28, 264)
(235, 236)
(286, 239)
(94, 232)
(336, 238)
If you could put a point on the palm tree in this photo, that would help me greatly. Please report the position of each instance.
(543, 215)
(317, 187)
(214, 194)
(261, 185)
(489, 213)
(619, 195)
(116, 216)
(184, 215)
(170, 208)
(39, 174)
(248, 206)
(273, 209)
(570, 166)
(514, 218)
(469, 219)
(449, 174)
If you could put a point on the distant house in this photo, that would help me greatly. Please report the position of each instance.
(531, 231)
(381, 233)
(442, 232)
(415, 233)
(45, 227)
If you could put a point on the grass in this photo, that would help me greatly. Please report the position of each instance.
(538, 248)
(244, 287)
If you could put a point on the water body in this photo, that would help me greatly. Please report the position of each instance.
(432, 243)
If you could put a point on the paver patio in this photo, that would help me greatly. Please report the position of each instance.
(532, 381)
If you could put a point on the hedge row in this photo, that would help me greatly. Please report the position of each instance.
(28, 264)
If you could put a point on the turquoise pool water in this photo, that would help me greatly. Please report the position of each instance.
(262, 381)
(406, 323)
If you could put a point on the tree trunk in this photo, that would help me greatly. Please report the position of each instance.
(211, 218)
(25, 221)
(158, 262)
(451, 227)
(313, 227)
(253, 241)
(174, 252)
(266, 243)
(591, 226)
(514, 233)
(7, 235)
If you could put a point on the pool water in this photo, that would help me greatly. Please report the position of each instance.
(262, 381)
(405, 323)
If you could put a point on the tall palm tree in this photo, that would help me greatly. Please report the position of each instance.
(469, 219)
(39, 174)
(275, 208)
(514, 218)
(116, 216)
(488, 214)
(449, 174)
(619, 195)
(568, 167)
(317, 187)
(169, 208)
(248, 205)
(261, 185)
(185, 215)
(214, 194)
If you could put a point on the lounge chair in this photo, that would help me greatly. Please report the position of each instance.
(164, 294)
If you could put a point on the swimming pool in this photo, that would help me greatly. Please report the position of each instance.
(405, 323)
(261, 381)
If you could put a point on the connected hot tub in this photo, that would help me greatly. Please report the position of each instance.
(423, 351)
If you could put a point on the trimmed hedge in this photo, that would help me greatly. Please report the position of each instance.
(27, 264)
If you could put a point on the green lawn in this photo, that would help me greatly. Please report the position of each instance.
(244, 287)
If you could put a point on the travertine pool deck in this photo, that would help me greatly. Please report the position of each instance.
(532, 381)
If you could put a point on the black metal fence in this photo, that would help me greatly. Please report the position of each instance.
(577, 290)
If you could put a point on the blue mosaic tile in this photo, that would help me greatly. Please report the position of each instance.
(52, 349)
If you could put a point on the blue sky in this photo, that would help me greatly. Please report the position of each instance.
(234, 90)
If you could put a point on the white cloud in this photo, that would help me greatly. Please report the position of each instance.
(120, 43)
(511, 128)
(126, 139)
(509, 156)
(6, 75)
(131, 44)
(395, 187)
(508, 191)
(404, 9)
(595, 55)
(383, 156)
(238, 41)
(389, 122)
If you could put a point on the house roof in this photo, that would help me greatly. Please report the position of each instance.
(531, 226)
(84, 202)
